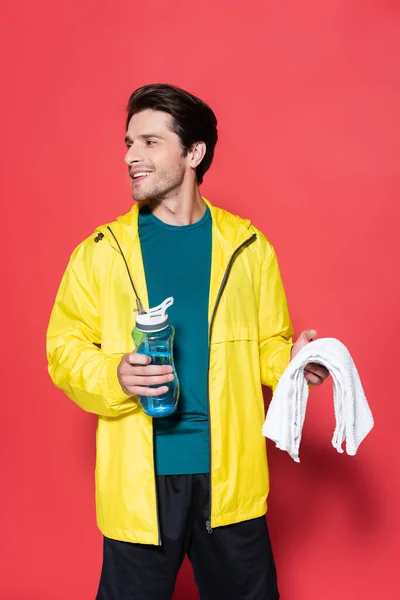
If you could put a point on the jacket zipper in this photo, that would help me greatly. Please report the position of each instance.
(140, 310)
(217, 301)
(220, 292)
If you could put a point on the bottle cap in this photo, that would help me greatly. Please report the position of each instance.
(154, 319)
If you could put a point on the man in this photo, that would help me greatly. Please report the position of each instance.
(195, 483)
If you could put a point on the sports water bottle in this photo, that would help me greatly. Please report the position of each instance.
(154, 337)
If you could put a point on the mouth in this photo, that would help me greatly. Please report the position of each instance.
(140, 176)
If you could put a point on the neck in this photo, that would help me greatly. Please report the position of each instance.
(184, 208)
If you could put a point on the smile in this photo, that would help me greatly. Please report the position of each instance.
(140, 176)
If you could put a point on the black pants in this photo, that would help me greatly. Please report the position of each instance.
(234, 562)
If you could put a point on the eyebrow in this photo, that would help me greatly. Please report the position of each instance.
(145, 136)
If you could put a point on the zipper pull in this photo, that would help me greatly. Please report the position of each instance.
(208, 527)
(99, 237)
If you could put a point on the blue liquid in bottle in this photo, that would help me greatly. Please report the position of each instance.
(154, 337)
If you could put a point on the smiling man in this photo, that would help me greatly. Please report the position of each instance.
(196, 482)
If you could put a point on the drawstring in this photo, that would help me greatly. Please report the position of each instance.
(139, 304)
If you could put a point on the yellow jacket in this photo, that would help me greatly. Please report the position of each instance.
(250, 342)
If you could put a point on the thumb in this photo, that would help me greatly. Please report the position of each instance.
(137, 359)
(308, 336)
(304, 338)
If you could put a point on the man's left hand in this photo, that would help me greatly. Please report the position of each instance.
(314, 373)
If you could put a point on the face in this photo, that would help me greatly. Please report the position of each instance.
(154, 157)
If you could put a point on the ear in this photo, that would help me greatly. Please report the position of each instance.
(197, 154)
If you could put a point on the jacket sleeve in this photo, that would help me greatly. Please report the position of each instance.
(275, 327)
(76, 363)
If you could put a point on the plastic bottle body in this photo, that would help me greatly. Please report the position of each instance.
(159, 346)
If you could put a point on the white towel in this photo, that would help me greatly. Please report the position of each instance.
(286, 413)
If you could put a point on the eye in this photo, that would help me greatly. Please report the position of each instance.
(150, 142)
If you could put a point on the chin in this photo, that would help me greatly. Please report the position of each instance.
(139, 197)
(147, 196)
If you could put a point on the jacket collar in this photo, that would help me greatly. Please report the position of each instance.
(228, 233)
(228, 230)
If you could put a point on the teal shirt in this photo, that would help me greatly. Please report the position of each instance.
(177, 262)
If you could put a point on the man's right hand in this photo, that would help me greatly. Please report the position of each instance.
(135, 374)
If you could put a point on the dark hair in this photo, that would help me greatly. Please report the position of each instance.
(193, 121)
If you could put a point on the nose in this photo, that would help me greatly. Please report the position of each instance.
(132, 155)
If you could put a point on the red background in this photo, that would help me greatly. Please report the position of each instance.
(307, 95)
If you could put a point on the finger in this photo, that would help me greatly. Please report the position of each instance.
(313, 379)
(138, 390)
(150, 370)
(317, 369)
(137, 359)
(146, 381)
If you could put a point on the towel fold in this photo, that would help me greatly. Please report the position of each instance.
(286, 413)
